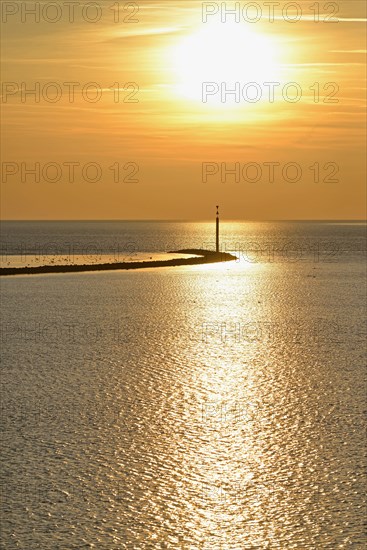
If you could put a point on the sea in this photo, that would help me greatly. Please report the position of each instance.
(218, 406)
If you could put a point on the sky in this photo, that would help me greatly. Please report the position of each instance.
(133, 116)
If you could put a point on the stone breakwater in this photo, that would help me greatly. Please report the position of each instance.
(201, 257)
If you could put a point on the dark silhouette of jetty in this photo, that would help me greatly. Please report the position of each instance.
(201, 257)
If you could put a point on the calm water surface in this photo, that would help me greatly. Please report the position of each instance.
(203, 407)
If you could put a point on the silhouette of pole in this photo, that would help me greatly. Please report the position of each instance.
(217, 232)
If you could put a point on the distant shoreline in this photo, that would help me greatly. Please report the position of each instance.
(203, 257)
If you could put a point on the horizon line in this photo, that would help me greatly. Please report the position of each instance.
(205, 220)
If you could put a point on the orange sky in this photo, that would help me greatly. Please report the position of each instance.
(165, 138)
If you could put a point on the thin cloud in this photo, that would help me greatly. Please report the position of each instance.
(348, 51)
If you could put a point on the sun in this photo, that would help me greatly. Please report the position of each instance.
(222, 54)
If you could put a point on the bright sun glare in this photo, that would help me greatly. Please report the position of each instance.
(223, 53)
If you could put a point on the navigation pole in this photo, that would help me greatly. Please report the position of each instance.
(217, 232)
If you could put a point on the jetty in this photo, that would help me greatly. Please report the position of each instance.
(201, 257)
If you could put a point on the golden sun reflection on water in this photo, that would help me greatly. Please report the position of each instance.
(223, 460)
